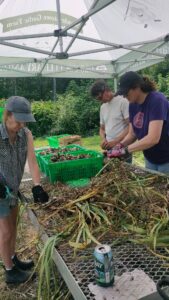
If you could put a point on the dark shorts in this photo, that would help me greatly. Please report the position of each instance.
(6, 207)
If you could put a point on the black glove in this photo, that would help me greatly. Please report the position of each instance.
(39, 194)
(2, 190)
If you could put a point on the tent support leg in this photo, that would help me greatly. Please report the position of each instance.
(54, 89)
(115, 83)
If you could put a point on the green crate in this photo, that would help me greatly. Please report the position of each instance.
(39, 150)
(82, 182)
(54, 140)
(38, 157)
(69, 147)
(73, 169)
(1, 113)
(81, 150)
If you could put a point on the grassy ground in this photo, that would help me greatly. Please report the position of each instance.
(93, 143)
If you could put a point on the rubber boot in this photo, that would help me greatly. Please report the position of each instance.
(22, 265)
(16, 276)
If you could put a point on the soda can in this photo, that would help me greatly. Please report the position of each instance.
(104, 268)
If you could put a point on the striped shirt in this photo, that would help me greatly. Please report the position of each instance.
(13, 157)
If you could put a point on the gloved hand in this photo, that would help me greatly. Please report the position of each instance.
(3, 191)
(39, 195)
(121, 152)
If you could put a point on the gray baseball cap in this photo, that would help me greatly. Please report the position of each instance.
(21, 109)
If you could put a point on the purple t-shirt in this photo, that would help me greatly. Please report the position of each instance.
(155, 107)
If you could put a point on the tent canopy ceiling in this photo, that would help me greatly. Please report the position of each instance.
(81, 39)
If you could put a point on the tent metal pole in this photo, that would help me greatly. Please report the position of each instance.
(26, 48)
(47, 59)
(80, 37)
(94, 3)
(91, 51)
(116, 46)
(60, 44)
(26, 36)
(83, 22)
(112, 48)
(79, 53)
(59, 24)
(115, 76)
(51, 34)
(75, 36)
(94, 10)
(54, 89)
(115, 83)
(142, 51)
(15, 87)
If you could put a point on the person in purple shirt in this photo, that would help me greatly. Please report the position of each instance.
(149, 122)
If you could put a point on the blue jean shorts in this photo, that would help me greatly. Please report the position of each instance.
(162, 168)
(6, 207)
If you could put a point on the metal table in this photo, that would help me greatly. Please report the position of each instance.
(78, 272)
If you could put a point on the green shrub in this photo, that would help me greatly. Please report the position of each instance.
(2, 102)
(45, 113)
(74, 112)
(78, 114)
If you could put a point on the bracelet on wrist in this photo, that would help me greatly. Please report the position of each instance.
(126, 149)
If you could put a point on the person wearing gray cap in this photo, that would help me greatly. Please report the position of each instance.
(149, 122)
(16, 146)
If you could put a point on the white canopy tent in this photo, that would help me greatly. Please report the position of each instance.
(81, 38)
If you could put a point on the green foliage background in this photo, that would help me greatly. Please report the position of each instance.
(74, 111)
(45, 113)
